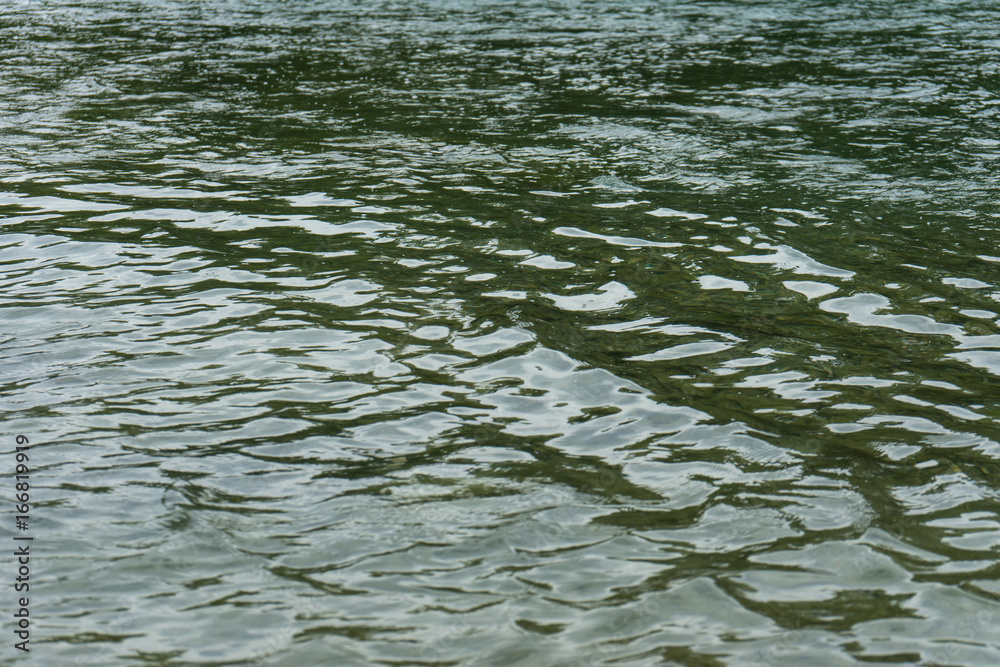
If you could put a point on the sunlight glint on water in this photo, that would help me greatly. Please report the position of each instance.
(505, 333)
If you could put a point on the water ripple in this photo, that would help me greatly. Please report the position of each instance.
(429, 333)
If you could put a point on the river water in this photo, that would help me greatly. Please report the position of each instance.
(537, 333)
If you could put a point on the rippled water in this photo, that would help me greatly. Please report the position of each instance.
(504, 333)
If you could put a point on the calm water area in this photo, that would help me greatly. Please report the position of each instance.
(537, 333)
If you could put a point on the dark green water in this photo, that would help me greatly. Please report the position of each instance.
(503, 333)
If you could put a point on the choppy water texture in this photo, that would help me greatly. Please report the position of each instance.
(504, 333)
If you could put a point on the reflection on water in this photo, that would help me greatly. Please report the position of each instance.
(533, 333)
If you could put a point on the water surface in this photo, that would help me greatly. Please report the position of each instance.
(505, 333)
